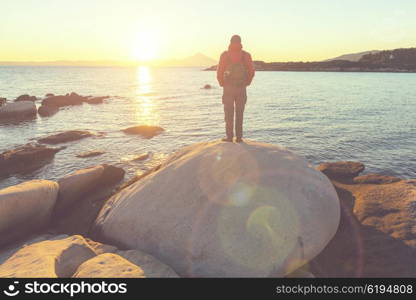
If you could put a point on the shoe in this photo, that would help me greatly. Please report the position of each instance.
(239, 140)
(227, 140)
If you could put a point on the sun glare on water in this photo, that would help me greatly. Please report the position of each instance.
(146, 45)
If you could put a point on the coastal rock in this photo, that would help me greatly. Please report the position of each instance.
(47, 110)
(26, 208)
(341, 170)
(49, 258)
(64, 137)
(90, 154)
(77, 185)
(141, 157)
(226, 210)
(152, 267)
(10, 249)
(79, 203)
(61, 101)
(375, 179)
(100, 248)
(49, 95)
(3, 101)
(376, 236)
(26, 97)
(95, 100)
(74, 186)
(207, 87)
(390, 208)
(108, 265)
(25, 158)
(18, 110)
(145, 131)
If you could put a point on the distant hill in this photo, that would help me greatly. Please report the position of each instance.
(353, 56)
(398, 60)
(197, 60)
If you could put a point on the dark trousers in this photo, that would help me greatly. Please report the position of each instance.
(234, 98)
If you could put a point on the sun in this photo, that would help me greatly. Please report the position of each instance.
(146, 45)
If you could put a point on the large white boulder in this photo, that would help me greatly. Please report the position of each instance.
(221, 209)
(18, 110)
(25, 208)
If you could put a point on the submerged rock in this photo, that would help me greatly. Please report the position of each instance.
(343, 171)
(25, 158)
(64, 137)
(90, 154)
(226, 210)
(145, 131)
(47, 110)
(26, 97)
(18, 111)
(26, 208)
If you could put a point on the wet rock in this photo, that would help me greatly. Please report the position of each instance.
(226, 210)
(64, 137)
(95, 100)
(18, 111)
(49, 95)
(26, 97)
(145, 131)
(343, 171)
(90, 154)
(61, 101)
(47, 110)
(375, 179)
(26, 208)
(25, 158)
(207, 87)
(3, 101)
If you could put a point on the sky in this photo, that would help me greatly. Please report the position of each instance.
(131, 30)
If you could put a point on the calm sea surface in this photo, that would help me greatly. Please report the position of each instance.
(368, 117)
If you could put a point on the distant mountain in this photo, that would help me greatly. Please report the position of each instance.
(197, 60)
(353, 56)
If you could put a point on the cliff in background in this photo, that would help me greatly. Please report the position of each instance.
(398, 60)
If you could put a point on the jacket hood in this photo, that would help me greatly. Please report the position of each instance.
(235, 47)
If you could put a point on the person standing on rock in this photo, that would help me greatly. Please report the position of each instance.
(234, 73)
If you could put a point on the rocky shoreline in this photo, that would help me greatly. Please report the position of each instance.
(62, 229)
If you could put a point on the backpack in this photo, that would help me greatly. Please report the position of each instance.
(236, 72)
